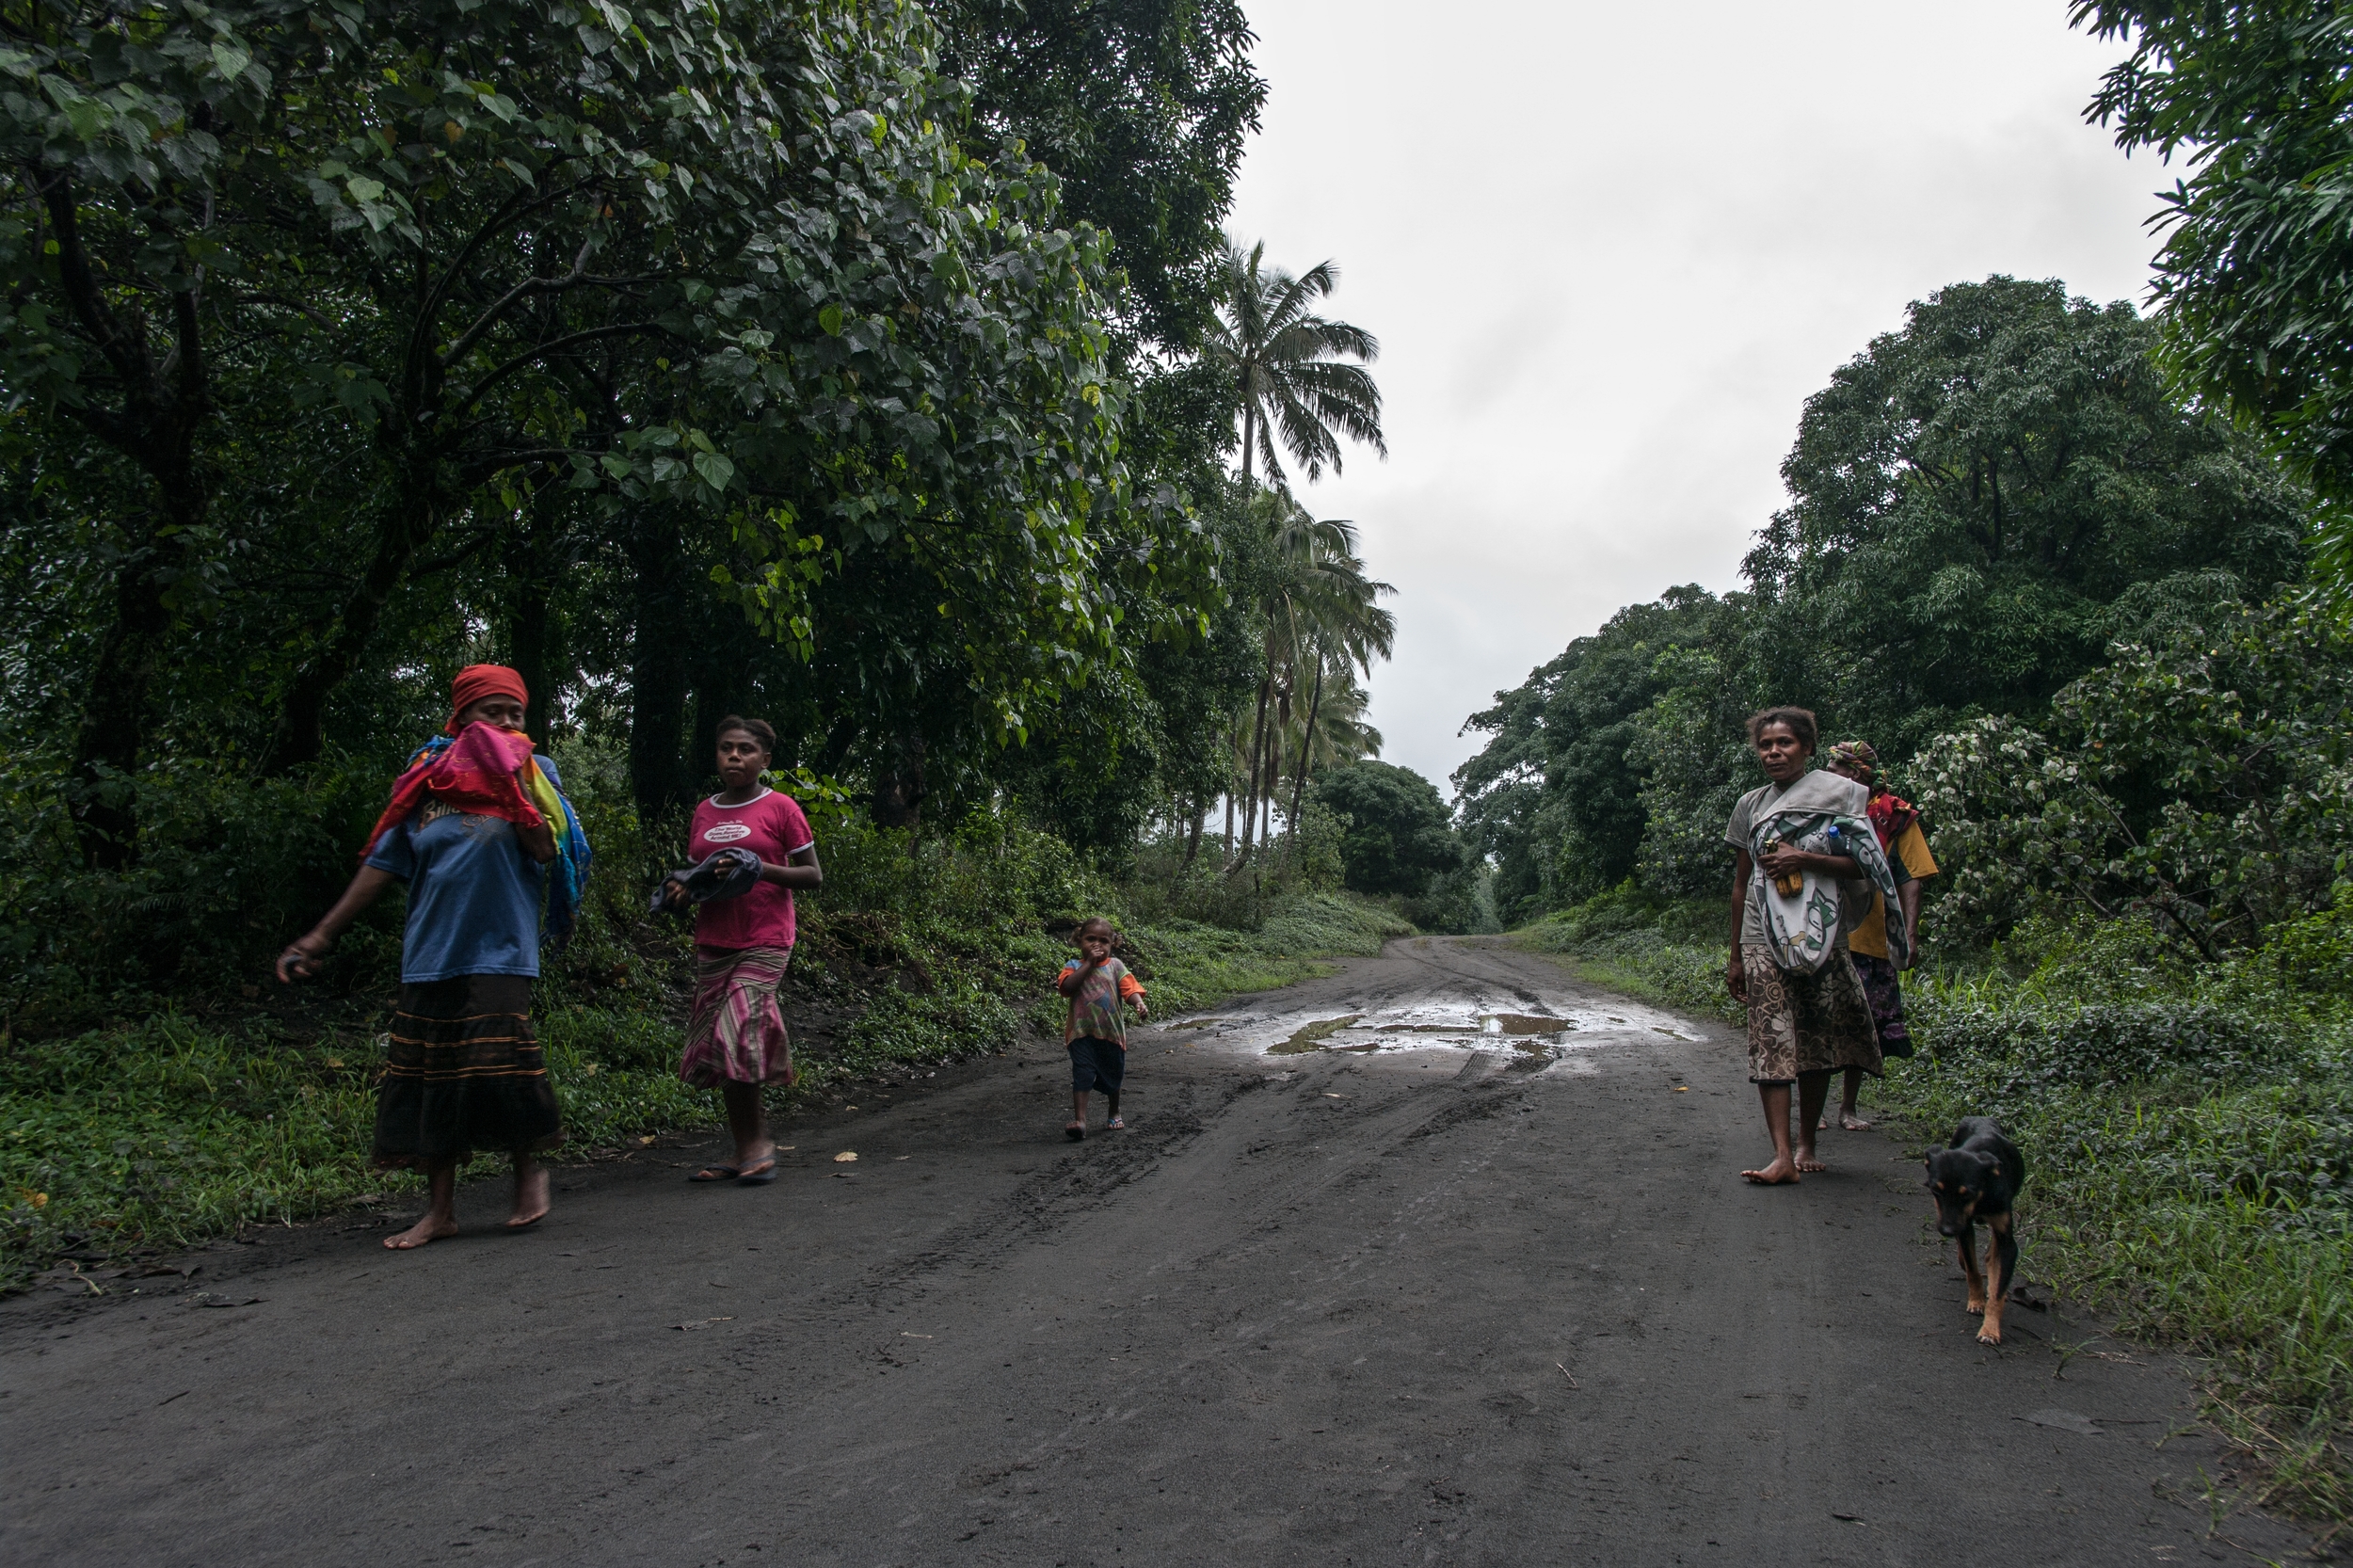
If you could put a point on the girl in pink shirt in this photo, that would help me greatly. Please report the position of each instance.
(735, 1038)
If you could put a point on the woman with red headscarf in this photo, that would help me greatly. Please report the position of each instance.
(476, 825)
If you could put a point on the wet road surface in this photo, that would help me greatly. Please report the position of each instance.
(1386, 1271)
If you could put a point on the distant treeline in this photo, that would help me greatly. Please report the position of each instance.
(2056, 597)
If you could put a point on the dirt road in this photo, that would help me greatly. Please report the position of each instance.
(1427, 1289)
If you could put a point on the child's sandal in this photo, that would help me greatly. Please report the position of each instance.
(1075, 1132)
(1116, 1124)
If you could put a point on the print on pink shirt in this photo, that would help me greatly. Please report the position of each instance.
(772, 826)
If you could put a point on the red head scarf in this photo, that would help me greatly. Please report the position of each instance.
(476, 682)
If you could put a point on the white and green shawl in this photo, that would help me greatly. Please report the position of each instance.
(1801, 930)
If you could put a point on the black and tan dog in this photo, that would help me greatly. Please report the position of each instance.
(1977, 1179)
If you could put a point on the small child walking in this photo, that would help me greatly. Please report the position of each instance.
(1098, 986)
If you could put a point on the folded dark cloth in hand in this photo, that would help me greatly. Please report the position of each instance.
(728, 873)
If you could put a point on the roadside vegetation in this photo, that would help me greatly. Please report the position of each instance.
(883, 372)
(188, 1117)
(2188, 1126)
(2073, 610)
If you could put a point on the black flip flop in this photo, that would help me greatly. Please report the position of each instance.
(715, 1172)
(757, 1177)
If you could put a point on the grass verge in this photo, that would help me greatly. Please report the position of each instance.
(160, 1130)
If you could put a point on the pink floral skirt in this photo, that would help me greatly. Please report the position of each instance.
(736, 1033)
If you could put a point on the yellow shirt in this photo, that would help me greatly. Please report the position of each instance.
(1912, 852)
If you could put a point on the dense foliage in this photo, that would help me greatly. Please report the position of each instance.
(1979, 504)
(2201, 777)
(2253, 273)
(840, 363)
(2061, 601)
(1401, 836)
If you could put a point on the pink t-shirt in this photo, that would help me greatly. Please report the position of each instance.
(770, 825)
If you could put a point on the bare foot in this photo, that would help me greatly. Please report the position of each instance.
(531, 1198)
(1775, 1174)
(1808, 1162)
(1850, 1120)
(431, 1228)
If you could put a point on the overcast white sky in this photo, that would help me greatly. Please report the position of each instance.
(1609, 250)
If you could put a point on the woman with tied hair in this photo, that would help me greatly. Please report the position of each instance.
(477, 827)
(1895, 823)
(1808, 863)
(735, 1038)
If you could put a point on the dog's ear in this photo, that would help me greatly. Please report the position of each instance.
(1929, 1157)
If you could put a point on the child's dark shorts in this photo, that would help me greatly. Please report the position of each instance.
(1096, 1065)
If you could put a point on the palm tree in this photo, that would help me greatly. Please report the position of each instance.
(1324, 618)
(1286, 365)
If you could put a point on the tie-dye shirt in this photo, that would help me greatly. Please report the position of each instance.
(1098, 1012)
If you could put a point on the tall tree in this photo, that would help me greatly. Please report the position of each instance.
(1555, 797)
(1317, 604)
(1400, 835)
(1288, 368)
(124, 134)
(2257, 270)
(1141, 107)
(1970, 493)
(1981, 504)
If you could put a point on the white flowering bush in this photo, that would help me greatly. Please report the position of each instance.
(2201, 780)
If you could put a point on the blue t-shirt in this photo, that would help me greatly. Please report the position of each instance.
(474, 893)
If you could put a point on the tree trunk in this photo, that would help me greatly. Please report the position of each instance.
(1248, 428)
(164, 403)
(1258, 749)
(719, 687)
(1306, 739)
(407, 527)
(113, 729)
(658, 671)
(528, 642)
(531, 636)
(898, 797)
(1193, 837)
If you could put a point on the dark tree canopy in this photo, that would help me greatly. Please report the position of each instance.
(349, 339)
(1555, 799)
(1140, 107)
(1981, 503)
(1969, 495)
(1400, 835)
(2257, 271)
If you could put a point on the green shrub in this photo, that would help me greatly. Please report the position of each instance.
(2001, 1053)
(198, 1112)
(1670, 952)
(2188, 1126)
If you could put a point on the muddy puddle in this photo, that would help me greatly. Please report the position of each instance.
(1311, 1036)
(1460, 1026)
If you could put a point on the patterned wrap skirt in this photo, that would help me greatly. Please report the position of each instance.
(1806, 1023)
(463, 1075)
(736, 1033)
(1886, 995)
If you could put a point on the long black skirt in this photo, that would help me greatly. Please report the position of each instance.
(464, 1074)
